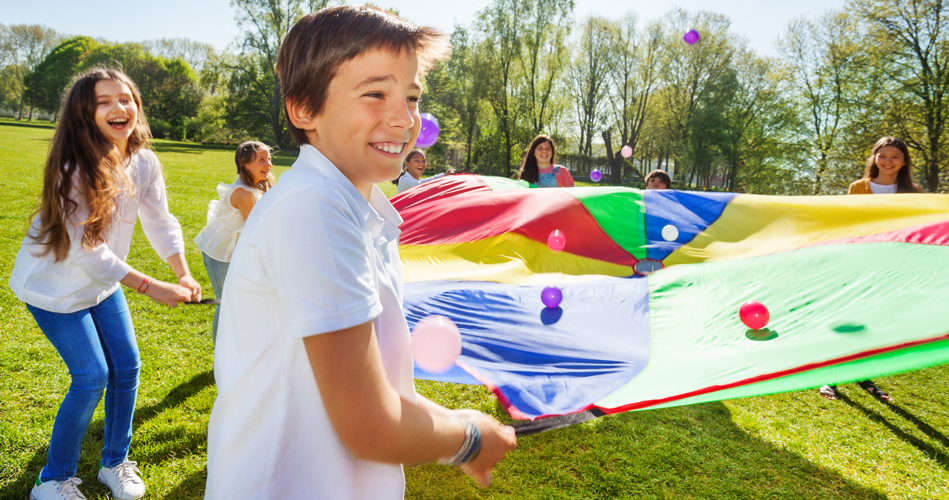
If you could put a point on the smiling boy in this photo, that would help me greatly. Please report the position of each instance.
(313, 367)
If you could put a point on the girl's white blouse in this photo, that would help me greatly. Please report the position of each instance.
(86, 277)
(219, 236)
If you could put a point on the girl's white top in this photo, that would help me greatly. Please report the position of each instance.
(219, 236)
(882, 188)
(86, 277)
(408, 181)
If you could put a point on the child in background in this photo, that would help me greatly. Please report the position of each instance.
(315, 397)
(415, 165)
(227, 214)
(538, 167)
(657, 179)
(99, 176)
(889, 170)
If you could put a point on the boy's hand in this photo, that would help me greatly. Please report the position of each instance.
(496, 440)
(167, 293)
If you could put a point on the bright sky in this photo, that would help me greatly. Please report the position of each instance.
(212, 21)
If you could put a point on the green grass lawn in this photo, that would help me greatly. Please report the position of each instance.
(789, 446)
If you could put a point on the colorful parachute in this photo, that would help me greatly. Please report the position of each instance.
(857, 287)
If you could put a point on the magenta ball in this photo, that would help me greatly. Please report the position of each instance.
(551, 296)
(436, 343)
(754, 315)
(596, 175)
(626, 152)
(556, 241)
(428, 136)
(691, 37)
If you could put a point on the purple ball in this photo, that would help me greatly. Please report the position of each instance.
(691, 37)
(428, 136)
(551, 296)
(596, 175)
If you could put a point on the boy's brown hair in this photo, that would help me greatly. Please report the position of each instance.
(319, 43)
(663, 176)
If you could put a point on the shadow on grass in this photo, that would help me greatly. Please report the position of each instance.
(180, 443)
(12, 123)
(191, 488)
(939, 455)
(685, 452)
(188, 147)
(176, 396)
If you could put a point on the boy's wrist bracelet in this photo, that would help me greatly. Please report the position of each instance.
(470, 448)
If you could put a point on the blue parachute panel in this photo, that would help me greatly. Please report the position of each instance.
(689, 212)
(544, 361)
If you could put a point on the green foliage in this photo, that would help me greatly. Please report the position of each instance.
(50, 78)
(170, 91)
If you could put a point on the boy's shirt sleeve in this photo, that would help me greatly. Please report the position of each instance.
(324, 270)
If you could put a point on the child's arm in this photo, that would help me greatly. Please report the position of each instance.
(162, 228)
(243, 200)
(376, 424)
(566, 180)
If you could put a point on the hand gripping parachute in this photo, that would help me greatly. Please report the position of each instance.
(857, 287)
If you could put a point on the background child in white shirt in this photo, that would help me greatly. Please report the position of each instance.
(415, 165)
(313, 368)
(227, 214)
(99, 177)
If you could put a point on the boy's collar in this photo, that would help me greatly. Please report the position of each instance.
(378, 205)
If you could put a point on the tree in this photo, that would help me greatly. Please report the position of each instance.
(588, 79)
(464, 96)
(170, 90)
(543, 58)
(911, 40)
(633, 76)
(196, 54)
(49, 79)
(27, 46)
(692, 81)
(502, 25)
(258, 100)
(826, 66)
(745, 127)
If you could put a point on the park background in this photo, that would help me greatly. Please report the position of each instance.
(796, 114)
(797, 120)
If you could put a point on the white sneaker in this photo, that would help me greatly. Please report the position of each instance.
(123, 481)
(57, 490)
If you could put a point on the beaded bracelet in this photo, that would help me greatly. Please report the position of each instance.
(470, 448)
(146, 282)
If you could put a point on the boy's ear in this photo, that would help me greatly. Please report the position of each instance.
(300, 117)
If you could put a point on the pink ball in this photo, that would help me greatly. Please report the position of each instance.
(436, 343)
(754, 315)
(556, 241)
(626, 152)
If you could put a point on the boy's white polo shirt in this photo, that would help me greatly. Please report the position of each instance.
(314, 257)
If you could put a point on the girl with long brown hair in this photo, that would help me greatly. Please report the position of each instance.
(538, 167)
(99, 177)
(227, 214)
(889, 170)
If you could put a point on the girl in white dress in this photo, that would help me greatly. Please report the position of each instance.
(227, 214)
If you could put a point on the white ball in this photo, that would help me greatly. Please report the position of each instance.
(670, 233)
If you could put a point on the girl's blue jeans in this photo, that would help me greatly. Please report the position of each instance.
(99, 348)
(217, 271)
